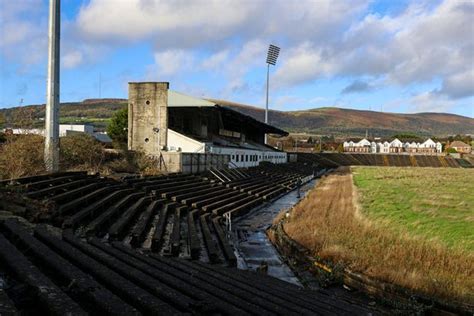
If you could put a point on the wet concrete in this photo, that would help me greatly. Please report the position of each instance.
(251, 242)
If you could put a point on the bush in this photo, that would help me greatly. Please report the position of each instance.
(81, 151)
(451, 151)
(118, 127)
(21, 155)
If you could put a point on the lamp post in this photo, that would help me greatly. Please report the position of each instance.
(272, 56)
(51, 144)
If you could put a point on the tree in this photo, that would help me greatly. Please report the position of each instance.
(2, 120)
(23, 117)
(81, 150)
(118, 127)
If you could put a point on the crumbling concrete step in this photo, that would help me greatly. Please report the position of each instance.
(227, 250)
(117, 230)
(90, 211)
(49, 294)
(144, 222)
(157, 239)
(212, 250)
(164, 293)
(193, 239)
(66, 187)
(113, 211)
(224, 302)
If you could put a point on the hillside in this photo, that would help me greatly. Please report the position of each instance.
(337, 121)
(334, 121)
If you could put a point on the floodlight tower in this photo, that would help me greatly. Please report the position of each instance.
(272, 56)
(51, 145)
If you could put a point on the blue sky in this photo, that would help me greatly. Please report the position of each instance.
(396, 56)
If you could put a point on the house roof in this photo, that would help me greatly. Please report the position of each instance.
(458, 143)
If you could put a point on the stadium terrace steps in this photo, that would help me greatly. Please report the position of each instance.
(171, 218)
(331, 160)
(171, 215)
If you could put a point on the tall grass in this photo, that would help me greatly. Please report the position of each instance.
(331, 223)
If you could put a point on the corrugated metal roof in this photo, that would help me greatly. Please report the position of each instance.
(176, 99)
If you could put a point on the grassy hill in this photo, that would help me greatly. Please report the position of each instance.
(337, 121)
(328, 120)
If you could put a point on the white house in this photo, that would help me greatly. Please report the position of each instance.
(396, 146)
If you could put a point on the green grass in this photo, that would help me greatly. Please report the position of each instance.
(430, 203)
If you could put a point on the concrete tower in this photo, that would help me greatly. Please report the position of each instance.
(148, 116)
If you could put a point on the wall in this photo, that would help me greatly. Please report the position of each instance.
(179, 142)
(65, 128)
(240, 157)
(191, 162)
(147, 116)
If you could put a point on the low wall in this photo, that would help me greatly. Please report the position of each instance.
(192, 162)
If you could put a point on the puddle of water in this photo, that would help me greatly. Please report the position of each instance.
(252, 244)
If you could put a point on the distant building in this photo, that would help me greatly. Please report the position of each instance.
(396, 146)
(67, 129)
(393, 147)
(362, 146)
(64, 130)
(460, 147)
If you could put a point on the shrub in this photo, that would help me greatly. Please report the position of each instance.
(117, 129)
(81, 151)
(21, 155)
(451, 151)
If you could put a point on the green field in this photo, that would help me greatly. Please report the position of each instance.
(430, 203)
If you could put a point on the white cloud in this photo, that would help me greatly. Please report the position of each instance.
(172, 62)
(174, 23)
(72, 59)
(419, 45)
(215, 61)
(459, 85)
(22, 39)
(302, 64)
(324, 39)
(431, 102)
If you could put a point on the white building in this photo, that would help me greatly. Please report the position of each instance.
(64, 130)
(394, 146)
(68, 129)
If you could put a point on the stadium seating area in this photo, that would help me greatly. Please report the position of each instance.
(50, 273)
(330, 160)
(177, 215)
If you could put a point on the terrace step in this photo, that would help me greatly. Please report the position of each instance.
(48, 294)
(139, 231)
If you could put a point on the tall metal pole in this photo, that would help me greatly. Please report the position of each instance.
(51, 146)
(266, 103)
(272, 56)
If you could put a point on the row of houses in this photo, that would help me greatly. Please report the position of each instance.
(429, 147)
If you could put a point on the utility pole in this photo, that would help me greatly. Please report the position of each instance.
(51, 145)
